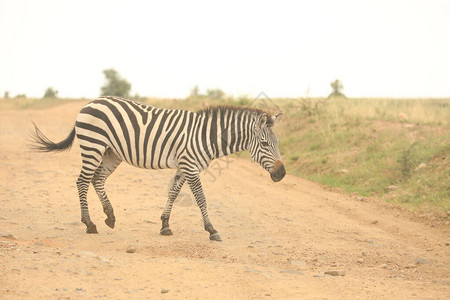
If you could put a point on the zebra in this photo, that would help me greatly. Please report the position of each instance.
(111, 130)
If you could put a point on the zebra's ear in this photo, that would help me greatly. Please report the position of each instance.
(262, 121)
(277, 118)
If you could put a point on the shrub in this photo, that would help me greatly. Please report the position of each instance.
(50, 93)
(215, 94)
(406, 161)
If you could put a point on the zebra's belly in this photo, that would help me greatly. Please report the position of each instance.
(158, 162)
(147, 160)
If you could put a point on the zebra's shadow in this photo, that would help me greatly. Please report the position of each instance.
(185, 198)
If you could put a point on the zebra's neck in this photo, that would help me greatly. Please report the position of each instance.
(227, 130)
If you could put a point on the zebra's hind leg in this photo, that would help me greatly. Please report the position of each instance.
(83, 186)
(174, 188)
(109, 163)
(90, 164)
(92, 151)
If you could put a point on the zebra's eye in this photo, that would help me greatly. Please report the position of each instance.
(264, 144)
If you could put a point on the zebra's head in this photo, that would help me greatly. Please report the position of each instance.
(264, 146)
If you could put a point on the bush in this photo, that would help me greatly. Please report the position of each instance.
(50, 93)
(215, 94)
(406, 161)
(195, 92)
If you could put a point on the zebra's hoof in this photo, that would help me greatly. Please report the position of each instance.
(166, 231)
(110, 222)
(215, 237)
(92, 229)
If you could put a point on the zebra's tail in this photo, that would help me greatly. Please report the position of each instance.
(44, 144)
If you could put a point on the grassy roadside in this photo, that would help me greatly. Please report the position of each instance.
(394, 149)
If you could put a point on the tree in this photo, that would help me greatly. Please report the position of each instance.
(50, 93)
(195, 92)
(337, 88)
(215, 94)
(6, 95)
(115, 85)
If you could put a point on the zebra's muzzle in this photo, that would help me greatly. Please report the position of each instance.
(278, 171)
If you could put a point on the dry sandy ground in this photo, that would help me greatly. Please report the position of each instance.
(278, 238)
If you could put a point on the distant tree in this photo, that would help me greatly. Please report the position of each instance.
(6, 95)
(21, 96)
(50, 93)
(195, 91)
(215, 94)
(115, 85)
(337, 88)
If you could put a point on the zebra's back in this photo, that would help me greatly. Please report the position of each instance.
(143, 136)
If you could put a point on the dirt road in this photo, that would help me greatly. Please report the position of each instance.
(278, 238)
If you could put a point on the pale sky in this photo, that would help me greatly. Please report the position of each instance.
(283, 48)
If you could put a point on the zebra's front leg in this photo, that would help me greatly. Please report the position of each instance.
(197, 191)
(174, 188)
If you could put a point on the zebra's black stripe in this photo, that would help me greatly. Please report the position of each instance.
(154, 152)
(147, 133)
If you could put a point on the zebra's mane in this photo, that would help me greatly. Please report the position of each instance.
(222, 109)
